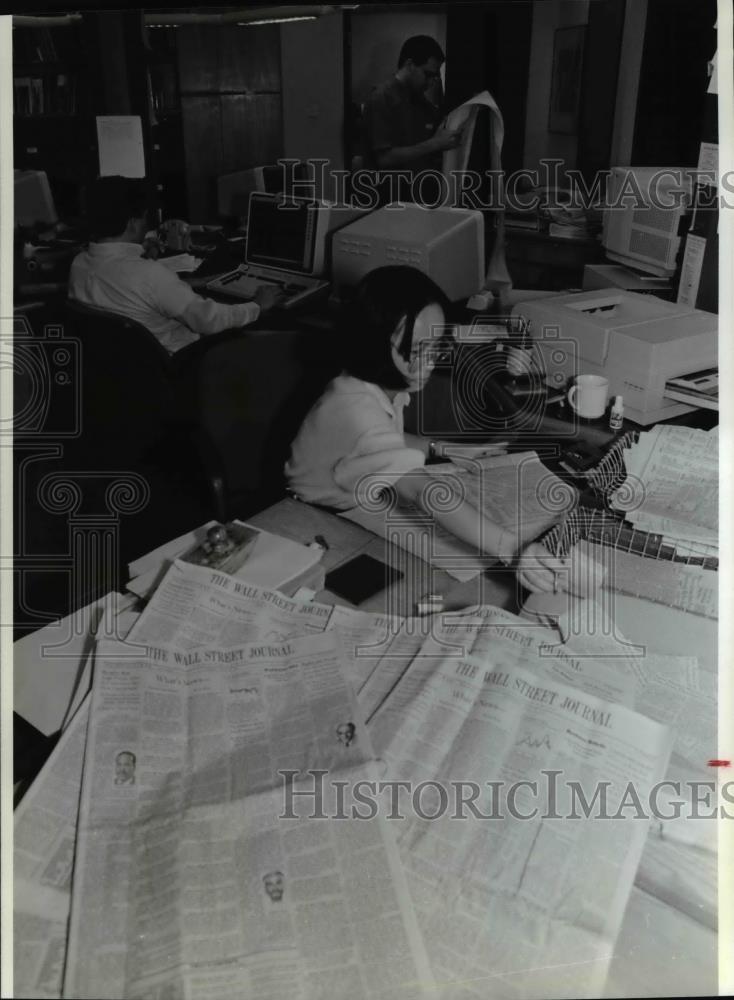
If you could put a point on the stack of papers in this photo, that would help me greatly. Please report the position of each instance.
(160, 851)
(272, 561)
(699, 389)
(671, 488)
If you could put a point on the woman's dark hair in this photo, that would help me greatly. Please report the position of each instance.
(112, 202)
(382, 299)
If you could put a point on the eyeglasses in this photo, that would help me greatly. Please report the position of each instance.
(430, 351)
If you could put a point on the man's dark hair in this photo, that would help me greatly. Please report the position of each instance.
(383, 297)
(112, 202)
(420, 48)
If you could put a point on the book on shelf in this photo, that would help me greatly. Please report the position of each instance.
(53, 94)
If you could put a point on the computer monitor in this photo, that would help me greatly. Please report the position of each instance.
(447, 244)
(33, 201)
(292, 234)
(234, 190)
(642, 218)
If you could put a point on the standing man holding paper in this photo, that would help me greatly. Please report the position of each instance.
(401, 126)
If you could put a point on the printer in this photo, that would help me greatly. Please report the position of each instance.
(636, 341)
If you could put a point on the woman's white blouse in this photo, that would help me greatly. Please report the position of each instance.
(352, 431)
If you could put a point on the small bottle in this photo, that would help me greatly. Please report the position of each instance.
(616, 414)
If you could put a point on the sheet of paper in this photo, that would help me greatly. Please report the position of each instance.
(672, 483)
(465, 116)
(48, 665)
(708, 161)
(120, 140)
(195, 606)
(516, 492)
(676, 585)
(455, 161)
(661, 952)
(516, 907)
(197, 872)
(690, 277)
(681, 875)
(45, 824)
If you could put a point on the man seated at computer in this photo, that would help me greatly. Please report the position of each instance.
(114, 273)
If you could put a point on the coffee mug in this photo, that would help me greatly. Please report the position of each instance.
(588, 395)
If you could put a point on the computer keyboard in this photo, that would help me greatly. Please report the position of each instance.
(241, 285)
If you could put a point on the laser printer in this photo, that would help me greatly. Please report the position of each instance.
(637, 341)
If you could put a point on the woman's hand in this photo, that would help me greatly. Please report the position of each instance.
(538, 569)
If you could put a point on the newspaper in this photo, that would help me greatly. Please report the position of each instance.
(516, 492)
(376, 650)
(194, 606)
(676, 585)
(487, 631)
(516, 908)
(189, 881)
(456, 161)
(672, 484)
(43, 852)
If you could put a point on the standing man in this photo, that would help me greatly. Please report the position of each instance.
(400, 124)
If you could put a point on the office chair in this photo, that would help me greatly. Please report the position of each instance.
(129, 399)
(253, 393)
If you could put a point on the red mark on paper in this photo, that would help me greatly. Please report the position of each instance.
(719, 763)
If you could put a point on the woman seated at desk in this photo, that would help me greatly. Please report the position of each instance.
(356, 429)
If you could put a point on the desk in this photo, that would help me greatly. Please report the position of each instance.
(301, 523)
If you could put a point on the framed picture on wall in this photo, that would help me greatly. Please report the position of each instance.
(568, 57)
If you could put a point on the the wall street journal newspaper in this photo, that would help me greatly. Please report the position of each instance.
(188, 882)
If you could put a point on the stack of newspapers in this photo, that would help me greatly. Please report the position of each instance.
(264, 797)
(671, 488)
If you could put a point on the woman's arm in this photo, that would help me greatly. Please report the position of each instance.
(433, 448)
(456, 515)
(535, 564)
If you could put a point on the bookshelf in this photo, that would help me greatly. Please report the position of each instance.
(47, 71)
(54, 89)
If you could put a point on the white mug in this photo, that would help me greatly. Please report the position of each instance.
(588, 395)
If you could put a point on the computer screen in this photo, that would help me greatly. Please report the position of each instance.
(33, 201)
(280, 236)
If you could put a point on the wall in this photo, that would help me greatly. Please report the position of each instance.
(548, 15)
(230, 105)
(376, 42)
(312, 75)
(628, 82)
